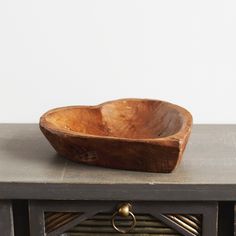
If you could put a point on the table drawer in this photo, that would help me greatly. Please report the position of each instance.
(90, 218)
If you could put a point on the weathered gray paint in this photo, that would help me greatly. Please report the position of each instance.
(6, 219)
(30, 169)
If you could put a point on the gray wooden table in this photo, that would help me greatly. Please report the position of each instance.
(31, 170)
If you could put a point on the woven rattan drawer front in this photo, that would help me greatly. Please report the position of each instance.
(100, 224)
(90, 218)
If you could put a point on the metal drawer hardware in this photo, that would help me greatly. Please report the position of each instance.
(123, 211)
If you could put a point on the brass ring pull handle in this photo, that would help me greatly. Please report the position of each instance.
(123, 211)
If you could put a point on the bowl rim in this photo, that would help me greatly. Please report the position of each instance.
(178, 136)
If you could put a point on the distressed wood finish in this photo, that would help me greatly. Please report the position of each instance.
(132, 134)
(93, 218)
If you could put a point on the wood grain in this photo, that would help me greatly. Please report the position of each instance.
(132, 134)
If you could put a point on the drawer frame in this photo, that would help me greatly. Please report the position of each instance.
(208, 210)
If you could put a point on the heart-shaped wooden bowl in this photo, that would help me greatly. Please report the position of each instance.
(133, 134)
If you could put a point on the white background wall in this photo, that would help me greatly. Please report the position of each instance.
(56, 53)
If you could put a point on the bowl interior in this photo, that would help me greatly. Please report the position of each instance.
(133, 119)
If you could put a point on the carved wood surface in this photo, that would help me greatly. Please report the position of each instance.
(134, 134)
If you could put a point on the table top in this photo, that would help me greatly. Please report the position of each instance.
(31, 169)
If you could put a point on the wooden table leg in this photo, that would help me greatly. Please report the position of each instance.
(6, 218)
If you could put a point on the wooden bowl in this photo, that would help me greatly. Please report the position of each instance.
(133, 134)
